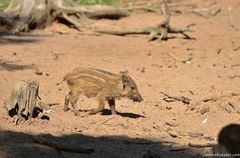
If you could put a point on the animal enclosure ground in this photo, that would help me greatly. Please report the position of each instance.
(191, 88)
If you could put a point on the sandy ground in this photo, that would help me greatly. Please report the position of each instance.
(141, 129)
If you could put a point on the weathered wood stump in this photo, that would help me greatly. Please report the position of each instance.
(24, 100)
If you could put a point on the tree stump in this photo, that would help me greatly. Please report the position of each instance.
(24, 100)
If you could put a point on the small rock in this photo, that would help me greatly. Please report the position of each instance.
(156, 105)
(143, 69)
(168, 107)
(204, 110)
(38, 72)
(204, 121)
(235, 105)
(173, 134)
(78, 131)
(230, 109)
(188, 62)
(191, 107)
(171, 123)
(149, 55)
(195, 135)
(199, 145)
(146, 129)
(237, 93)
(209, 138)
(177, 147)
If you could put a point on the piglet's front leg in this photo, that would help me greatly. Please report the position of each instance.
(111, 103)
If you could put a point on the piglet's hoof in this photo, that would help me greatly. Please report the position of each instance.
(66, 109)
(113, 113)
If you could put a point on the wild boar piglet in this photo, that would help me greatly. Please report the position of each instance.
(103, 85)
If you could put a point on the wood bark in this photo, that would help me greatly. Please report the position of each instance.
(24, 99)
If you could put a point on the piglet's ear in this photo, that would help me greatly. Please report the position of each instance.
(124, 79)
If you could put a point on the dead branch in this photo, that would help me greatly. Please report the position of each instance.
(123, 32)
(76, 24)
(59, 146)
(159, 31)
(170, 98)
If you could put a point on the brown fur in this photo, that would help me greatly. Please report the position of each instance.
(100, 84)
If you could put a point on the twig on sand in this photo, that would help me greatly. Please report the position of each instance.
(170, 98)
(186, 61)
(106, 120)
(101, 123)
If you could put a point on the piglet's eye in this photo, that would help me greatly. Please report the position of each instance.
(133, 88)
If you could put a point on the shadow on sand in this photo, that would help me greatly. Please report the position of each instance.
(6, 37)
(123, 114)
(21, 145)
(12, 66)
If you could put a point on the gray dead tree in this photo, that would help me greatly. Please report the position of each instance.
(25, 15)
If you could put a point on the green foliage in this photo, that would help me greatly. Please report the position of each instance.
(4, 3)
(109, 2)
(89, 2)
